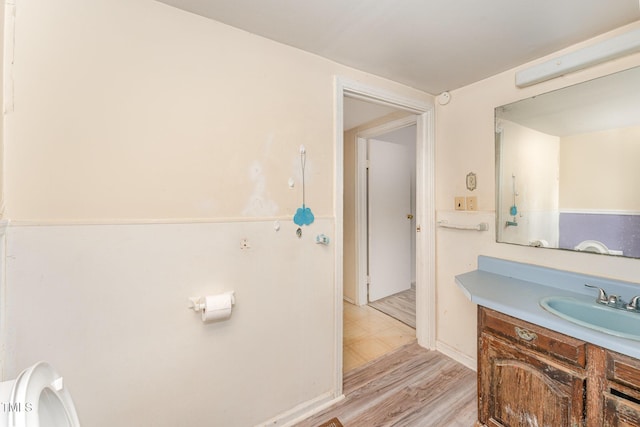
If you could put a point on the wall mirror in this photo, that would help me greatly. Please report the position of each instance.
(568, 167)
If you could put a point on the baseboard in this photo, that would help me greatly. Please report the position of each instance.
(456, 355)
(349, 300)
(302, 411)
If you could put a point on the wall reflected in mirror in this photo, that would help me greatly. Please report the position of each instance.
(568, 167)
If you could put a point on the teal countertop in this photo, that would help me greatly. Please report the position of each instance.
(515, 289)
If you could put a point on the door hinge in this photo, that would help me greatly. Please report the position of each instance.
(368, 286)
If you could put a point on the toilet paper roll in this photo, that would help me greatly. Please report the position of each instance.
(217, 307)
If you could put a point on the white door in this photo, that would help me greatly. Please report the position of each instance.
(389, 204)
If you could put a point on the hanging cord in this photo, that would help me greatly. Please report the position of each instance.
(303, 215)
(303, 163)
(514, 209)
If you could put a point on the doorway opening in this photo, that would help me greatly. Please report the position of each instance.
(381, 315)
(349, 253)
(390, 241)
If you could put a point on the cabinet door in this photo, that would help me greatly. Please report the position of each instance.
(520, 388)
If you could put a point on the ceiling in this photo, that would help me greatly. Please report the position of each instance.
(431, 45)
(357, 112)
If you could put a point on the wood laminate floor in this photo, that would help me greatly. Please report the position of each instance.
(400, 306)
(407, 387)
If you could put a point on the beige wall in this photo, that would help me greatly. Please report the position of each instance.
(130, 114)
(465, 142)
(601, 169)
(170, 116)
(533, 157)
(2, 99)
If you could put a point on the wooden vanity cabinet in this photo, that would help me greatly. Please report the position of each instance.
(527, 375)
(531, 376)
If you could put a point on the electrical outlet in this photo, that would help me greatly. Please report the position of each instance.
(472, 203)
(459, 203)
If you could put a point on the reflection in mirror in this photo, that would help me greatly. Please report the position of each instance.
(567, 167)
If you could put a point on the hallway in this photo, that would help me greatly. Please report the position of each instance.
(400, 306)
(369, 334)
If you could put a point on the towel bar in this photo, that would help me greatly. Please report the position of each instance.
(483, 226)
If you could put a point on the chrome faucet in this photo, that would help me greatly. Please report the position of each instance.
(634, 304)
(602, 295)
(615, 301)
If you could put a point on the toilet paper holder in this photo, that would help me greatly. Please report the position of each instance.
(198, 303)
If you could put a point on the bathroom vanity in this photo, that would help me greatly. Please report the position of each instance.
(528, 375)
(535, 368)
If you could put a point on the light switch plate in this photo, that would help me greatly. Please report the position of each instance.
(459, 203)
(472, 203)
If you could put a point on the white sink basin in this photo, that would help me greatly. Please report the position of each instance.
(596, 316)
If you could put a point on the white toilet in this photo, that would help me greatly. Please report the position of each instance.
(37, 398)
(595, 247)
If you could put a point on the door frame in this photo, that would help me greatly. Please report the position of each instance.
(362, 223)
(425, 209)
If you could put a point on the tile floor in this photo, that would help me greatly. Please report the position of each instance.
(369, 334)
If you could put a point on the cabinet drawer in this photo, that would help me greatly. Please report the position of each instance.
(557, 345)
(623, 370)
(620, 412)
